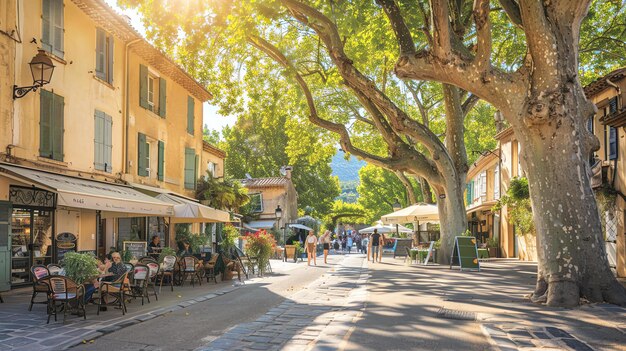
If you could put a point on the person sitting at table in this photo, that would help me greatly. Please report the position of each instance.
(113, 267)
(186, 249)
(154, 247)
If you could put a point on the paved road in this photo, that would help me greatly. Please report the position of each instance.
(192, 327)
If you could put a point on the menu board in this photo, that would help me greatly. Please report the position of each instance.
(66, 242)
(137, 248)
(464, 253)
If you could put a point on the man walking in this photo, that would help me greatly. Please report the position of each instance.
(376, 243)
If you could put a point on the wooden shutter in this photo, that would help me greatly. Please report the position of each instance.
(110, 44)
(46, 25)
(190, 114)
(142, 156)
(190, 159)
(590, 125)
(161, 168)
(108, 143)
(57, 27)
(612, 143)
(162, 99)
(143, 86)
(58, 127)
(100, 54)
(6, 212)
(195, 170)
(45, 124)
(99, 140)
(613, 105)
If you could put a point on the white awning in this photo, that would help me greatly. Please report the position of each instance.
(187, 211)
(90, 194)
(261, 224)
(299, 226)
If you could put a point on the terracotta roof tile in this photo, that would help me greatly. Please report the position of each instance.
(600, 84)
(264, 182)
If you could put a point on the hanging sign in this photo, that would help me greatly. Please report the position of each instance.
(65, 242)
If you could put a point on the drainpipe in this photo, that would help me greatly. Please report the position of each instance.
(126, 104)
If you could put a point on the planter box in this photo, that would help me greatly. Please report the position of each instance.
(290, 252)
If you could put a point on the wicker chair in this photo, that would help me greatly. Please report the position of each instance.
(189, 268)
(38, 272)
(139, 282)
(67, 292)
(116, 290)
(169, 262)
(209, 269)
(154, 273)
(54, 269)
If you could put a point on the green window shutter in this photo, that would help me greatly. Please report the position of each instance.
(99, 141)
(58, 127)
(161, 169)
(100, 53)
(142, 157)
(190, 114)
(190, 160)
(45, 124)
(162, 99)
(46, 24)
(108, 143)
(143, 86)
(57, 27)
(195, 171)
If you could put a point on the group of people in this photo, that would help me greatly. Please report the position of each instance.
(371, 245)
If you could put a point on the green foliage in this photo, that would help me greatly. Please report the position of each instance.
(80, 267)
(299, 250)
(126, 255)
(349, 193)
(492, 242)
(195, 240)
(211, 136)
(517, 199)
(466, 233)
(227, 194)
(166, 251)
(345, 212)
(378, 191)
(230, 235)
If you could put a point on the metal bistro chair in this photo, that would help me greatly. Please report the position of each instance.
(115, 290)
(39, 272)
(190, 268)
(139, 282)
(129, 266)
(168, 271)
(209, 269)
(154, 273)
(65, 291)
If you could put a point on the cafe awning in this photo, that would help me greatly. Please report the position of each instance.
(90, 194)
(261, 224)
(188, 211)
(300, 226)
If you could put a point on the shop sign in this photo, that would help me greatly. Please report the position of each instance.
(66, 242)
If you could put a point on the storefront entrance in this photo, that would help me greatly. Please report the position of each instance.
(32, 228)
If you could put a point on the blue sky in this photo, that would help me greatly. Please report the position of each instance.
(210, 116)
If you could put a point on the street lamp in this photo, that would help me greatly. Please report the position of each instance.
(278, 212)
(41, 68)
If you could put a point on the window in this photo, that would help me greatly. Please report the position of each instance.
(191, 165)
(483, 185)
(256, 203)
(611, 139)
(51, 126)
(152, 91)
(103, 141)
(613, 105)
(590, 125)
(469, 197)
(104, 56)
(212, 169)
(190, 114)
(52, 26)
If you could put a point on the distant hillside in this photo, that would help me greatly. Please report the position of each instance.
(348, 173)
(346, 170)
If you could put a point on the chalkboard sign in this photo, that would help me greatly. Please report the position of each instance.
(465, 254)
(429, 255)
(66, 242)
(137, 248)
(401, 246)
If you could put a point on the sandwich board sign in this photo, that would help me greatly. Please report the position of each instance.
(465, 253)
(429, 255)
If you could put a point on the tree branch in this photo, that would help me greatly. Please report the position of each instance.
(469, 103)
(408, 186)
(511, 8)
(483, 28)
(440, 15)
(403, 34)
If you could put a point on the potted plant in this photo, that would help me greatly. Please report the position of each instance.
(166, 251)
(299, 251)
(80, 267)
(492, 246)
(261, 246)
(229, 236)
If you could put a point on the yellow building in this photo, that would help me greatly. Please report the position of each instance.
(482, 193)
(108, 151)
(609, 181)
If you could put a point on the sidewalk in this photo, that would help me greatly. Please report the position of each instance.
(24, 330)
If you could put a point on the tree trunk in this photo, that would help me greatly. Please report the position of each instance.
(453, 221)
(427, 194)
(570, 245)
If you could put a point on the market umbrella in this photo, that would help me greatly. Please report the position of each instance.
(420, 212)
(386, 229)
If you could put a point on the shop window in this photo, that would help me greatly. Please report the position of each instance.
(103, 144)
(52, 26)
(104, 55)
(131, 229)
(51, 125)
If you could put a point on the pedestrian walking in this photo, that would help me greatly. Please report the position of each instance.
(377, 241)
(344, 242)
(311, 244)
(349, 243)
(357, 241)
(364, 244)
(325, 240)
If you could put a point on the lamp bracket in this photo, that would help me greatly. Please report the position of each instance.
(19, 92)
